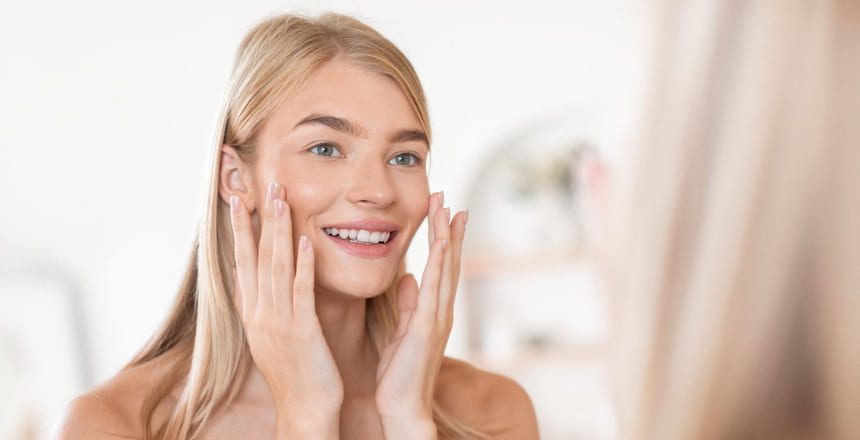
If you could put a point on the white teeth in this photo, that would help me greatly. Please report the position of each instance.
(360, 235)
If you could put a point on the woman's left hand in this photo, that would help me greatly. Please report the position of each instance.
(409, 364)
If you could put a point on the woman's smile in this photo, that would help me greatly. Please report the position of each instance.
(368, 238)
(361, 249)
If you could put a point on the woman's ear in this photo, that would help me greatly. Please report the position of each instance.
(235, 179)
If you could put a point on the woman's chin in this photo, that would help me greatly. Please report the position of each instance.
(358, 286)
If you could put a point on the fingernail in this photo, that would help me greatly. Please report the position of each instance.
(448, 214)
(279, 208)
(273, 190)
(465, 217)
(303, 243)
(234, 204)
(444, 243)
(441, 198)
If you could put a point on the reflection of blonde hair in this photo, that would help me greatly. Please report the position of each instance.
(274, 59)
(741, 273)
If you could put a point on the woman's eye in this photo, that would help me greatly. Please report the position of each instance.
(325, 150)
(407, 159)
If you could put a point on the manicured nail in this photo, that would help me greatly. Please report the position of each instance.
(441, 198)
(273, 190)
(304, 243)
(448, 214)
(279, 208)
(234, 204)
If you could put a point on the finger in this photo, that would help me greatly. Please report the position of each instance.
(440, 224)
(428, 296)
(443, 232)
(237, 292)
(244, 253)
(436, 200)
(407, 301)
(303, 286)
(458, 235)
(282, 260)
(264, 257)
(448, 297)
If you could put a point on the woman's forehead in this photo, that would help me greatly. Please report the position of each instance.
(370, 102)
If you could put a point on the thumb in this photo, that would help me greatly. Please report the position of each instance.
(407, 301)
(237, 294)
(407, 293)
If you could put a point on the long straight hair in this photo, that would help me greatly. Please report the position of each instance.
(741, 236)
(273, 60)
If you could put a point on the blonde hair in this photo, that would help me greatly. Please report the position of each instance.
(741, 273)
(275, 57)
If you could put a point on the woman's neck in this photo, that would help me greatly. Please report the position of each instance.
(343, 322)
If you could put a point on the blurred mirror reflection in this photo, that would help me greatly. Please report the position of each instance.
(534, 304)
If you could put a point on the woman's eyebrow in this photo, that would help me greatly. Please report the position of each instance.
(355, 129)
(335, 123)
(409, 135)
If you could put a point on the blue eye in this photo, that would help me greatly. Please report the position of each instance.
(325, 149)
(407, 159)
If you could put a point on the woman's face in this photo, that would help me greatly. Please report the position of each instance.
(350, 153)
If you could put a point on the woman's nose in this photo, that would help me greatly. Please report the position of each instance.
(371, 184)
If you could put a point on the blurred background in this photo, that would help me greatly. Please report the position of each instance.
(107, 112)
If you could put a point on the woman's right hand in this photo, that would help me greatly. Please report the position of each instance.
(276, 304)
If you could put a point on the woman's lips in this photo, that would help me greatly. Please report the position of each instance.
(362, 250)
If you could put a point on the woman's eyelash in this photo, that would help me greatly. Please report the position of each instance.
(331, 147)
(416, 161)
(327, 149)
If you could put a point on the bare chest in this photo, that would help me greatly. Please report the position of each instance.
(359, 420)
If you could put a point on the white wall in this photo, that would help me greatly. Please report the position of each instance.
(107, 112)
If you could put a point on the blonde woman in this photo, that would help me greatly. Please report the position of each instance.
(741, 264)
(295, 319)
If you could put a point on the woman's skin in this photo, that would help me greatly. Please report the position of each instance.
(308, 339)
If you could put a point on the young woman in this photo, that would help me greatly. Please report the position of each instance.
(741, 265)
(296, 319)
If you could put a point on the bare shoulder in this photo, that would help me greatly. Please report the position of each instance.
(94, 416)
(111, 410)
(486, 400)
(104, 412)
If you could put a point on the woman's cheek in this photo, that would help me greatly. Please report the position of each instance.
(308, 193)
(305, 180)
(416, 195)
